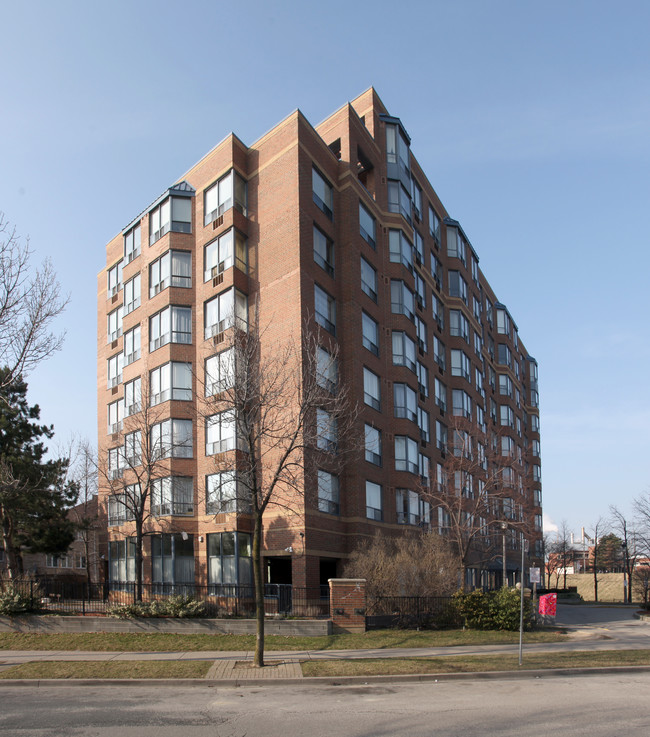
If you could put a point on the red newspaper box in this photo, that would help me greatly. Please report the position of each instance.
(548, 605)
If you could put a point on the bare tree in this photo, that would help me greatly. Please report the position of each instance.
(30, 300)
(424, 565)
(480, 487)
(624, 528)
(133, 470)
(597, 530)
(560, 553)
(642, 512)
(275, 413)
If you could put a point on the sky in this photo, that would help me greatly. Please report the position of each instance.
(530, 120)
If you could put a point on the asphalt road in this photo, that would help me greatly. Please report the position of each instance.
(597, 706)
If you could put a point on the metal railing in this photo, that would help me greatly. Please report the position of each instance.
(220, 600)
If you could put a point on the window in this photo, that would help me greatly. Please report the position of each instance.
(439, 353)
(504, 355)
(327, 371)
(536, 448)
(505, 385)
(423, 379)
(441, 436)
(225, 310)
(537, 473)
(538, 522)
(461, 403)
(114, 277)
(172, 269)
(368, 280)
(218, 255)
(220, 433)
(115, 416)
(171, 325)
(324, 309)
(424, 425)
(328, 492)
(402, 300)
(132, 345)
(229, 559)
(397, 148)
(440, 395)
(403, 350)
(534, 398)
(507, 416)
(221, 493)
(121, 553)
(174, 213)
(503, 322)
(370, 332)
(534, 423)
(480, 381)
(326, 431)
(172, 495)
(420, 291)
(418, 247)
(416, 193)
(436, 270)
(406, 454)
(172, 438)
(114, 369)
(229, 191)
(372, 445)
(421, 332)
(438, 311)
(537, 497)
(455, 244)
(323, 251)
(476, 304)
(460, 364)
(220, 372)
(457, 286)
(116, 462)
(132, 449)
(132, 397)
(373, 501)
(434, 225)
(475, 270)
(405, 403)
(172, 559)
(132, 294)
(410, 509)
(322, 193)
(507, 446)
(367, 226)
(132, 244)
(371, 389)
(399, 199)
(478, 344)
(400, 249)
(458, 325)
(114, 322)
(170, 381)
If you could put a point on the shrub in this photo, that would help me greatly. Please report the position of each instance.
(15, 601)
(493, 610)
(174, 606)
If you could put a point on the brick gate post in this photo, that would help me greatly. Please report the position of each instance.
(348, 604)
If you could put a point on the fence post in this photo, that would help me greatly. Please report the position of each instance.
(31, 593)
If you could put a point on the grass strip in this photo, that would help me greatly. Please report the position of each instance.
(167, 642)
(127, 669)
(474, 663)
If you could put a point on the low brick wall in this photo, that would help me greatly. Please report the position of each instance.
(54, 624)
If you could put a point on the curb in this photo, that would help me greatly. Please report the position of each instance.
(325, 681)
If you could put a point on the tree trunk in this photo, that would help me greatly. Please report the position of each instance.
(14, 561)
(259, 590)
(138, 559)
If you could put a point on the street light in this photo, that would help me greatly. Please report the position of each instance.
(504, 583)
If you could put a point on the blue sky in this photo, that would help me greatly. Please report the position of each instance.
(530, 119)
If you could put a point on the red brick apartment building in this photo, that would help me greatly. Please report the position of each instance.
(338, 224)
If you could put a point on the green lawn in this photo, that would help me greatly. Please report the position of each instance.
(130, 669)
(474, 663)
(103, 642)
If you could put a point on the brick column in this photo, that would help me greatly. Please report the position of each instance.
(348, 604)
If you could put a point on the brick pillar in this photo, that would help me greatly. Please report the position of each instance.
(348, 604)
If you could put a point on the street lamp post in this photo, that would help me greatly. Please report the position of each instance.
(504, 583)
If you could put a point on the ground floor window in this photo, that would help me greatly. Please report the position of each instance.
(121, 554)
(229, 558)
(173, 558)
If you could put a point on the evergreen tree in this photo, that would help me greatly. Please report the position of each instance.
(34, 493)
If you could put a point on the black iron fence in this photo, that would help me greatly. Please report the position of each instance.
(220, 600)
(412, 611)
